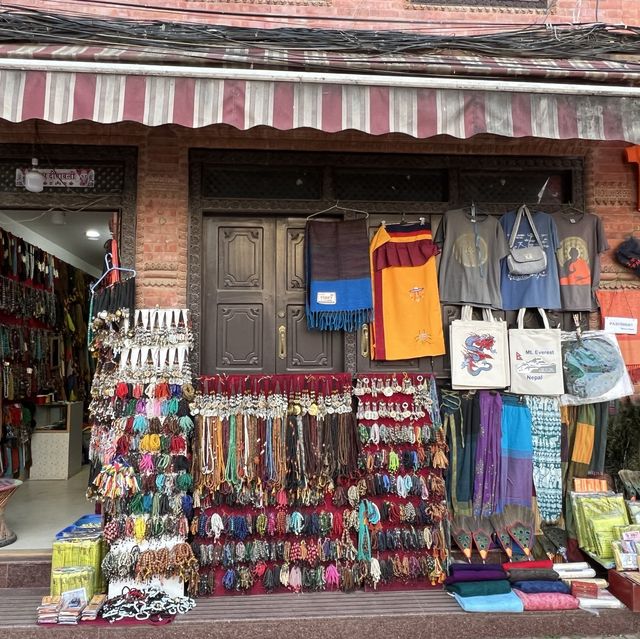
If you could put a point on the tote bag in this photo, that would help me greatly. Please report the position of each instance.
(594, 370)
(478, 351)
(536, 358)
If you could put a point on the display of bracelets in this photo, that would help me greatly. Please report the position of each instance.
(158, 560)
(150, 604)
(146, 526)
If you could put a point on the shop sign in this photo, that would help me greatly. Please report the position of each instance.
(621, 325)
(63, 178)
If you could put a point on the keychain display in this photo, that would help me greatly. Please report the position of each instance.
(141, 444)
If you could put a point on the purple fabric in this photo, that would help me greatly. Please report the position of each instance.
(488, 454)
(456, 568)
(516, 470)
(476, 575)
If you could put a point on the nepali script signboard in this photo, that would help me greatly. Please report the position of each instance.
(61, 178)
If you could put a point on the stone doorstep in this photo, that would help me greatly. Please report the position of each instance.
(20, 569)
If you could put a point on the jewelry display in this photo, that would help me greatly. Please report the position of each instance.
(295, 489)
(141, 444)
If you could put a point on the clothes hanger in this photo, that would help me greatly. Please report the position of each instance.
(473, 212)
(337, 207)
(403, 221)
(111, 269)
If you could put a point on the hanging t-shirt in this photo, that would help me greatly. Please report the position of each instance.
(540, 290)
(470, 260)
(582, 239)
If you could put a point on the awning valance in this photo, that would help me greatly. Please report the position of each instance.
(420, 107)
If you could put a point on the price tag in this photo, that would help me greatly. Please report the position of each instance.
(621, 325)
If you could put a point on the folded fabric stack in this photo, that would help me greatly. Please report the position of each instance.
(482, 588)
(538, 586)
(576, 570)
(592, 594)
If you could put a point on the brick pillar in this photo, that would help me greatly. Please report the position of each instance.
(162, 220)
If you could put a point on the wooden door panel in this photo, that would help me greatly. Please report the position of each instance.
(306, 350)
(310, 350)
(240, 329)
(238, 280)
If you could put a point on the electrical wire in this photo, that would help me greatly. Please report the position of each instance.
(262, 17)
(592, 41)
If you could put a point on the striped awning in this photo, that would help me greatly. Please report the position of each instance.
(154, 95)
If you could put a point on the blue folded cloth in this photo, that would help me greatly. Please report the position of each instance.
(532, 587)
(509, 602)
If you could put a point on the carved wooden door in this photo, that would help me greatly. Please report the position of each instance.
(253, 302)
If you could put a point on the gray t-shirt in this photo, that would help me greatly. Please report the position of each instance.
(581, 240)
(470, 258)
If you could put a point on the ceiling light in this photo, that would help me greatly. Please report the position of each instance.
(58, 217)
(33, 180)
(92, 234)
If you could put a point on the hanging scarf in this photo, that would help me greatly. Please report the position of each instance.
(488, 453)
(547, 475)
(516, 466)
(337, 274)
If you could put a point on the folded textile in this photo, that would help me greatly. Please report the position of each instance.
(571, 566)
(476, 575)
(539, 574)
(588, 573)
(339, 295)
(604, 600)
(454, 568)
(542, 586)
(547, 601)
(528, 565)
(479, 588)
(509, 602)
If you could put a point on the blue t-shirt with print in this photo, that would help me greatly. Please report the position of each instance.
(541, 290)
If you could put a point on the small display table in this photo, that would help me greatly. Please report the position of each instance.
(7, 488)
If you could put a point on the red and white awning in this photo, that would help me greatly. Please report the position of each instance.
(66, 91)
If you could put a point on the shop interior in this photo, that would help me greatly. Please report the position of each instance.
(54, 256)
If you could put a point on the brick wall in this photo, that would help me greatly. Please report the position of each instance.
(433, 16)
(162, 196)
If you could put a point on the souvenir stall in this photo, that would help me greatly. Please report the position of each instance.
(306, 482)
(527, 412)
(43, 319)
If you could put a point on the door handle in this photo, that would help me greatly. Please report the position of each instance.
(282, 342)
(364, 340)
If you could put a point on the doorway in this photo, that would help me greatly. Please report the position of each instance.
(254, 300)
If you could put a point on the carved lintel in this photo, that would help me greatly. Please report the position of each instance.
(486, 6)
(613, 194)
(150, 267)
